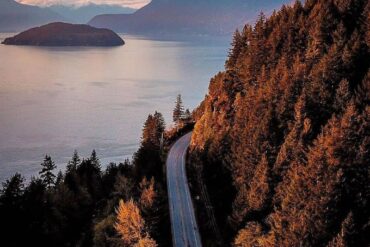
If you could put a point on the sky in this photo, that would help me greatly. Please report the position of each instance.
(126, 3)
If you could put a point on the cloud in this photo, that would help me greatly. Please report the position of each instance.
(126, 3)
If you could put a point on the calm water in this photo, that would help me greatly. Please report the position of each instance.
(55, 100)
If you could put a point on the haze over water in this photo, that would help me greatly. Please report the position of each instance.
(55, 100)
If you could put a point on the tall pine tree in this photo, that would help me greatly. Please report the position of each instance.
(178, 111)
(46, 173)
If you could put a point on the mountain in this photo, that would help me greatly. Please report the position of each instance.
(281, 140)
(15, 16)
(84, 13)
(187, 16)
(65, 34)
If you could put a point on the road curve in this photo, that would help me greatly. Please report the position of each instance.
(185, 232)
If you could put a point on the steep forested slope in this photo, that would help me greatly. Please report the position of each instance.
(282, 138)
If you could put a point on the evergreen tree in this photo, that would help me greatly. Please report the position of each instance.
(237, 45)
(149, 131)
(13, 188)
(46, 173)
(148, 193)
(187, 116)
(146, 242)
(178, 112)
(259, 191)
(130, 224)
(95, 160)
(74, 162)
(147, 159)
(343, 238)
(153, 130)
(123, 187)
(343, 95)
(59, 178)
(12, 210)
(159, 122)
(248, 237)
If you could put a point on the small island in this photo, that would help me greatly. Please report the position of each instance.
(65, 34)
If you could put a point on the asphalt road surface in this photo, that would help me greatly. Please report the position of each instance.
(185, 231)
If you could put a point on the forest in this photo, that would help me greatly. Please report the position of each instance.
(279, 153)
(281, 141)
(89, 206)
(123, 205)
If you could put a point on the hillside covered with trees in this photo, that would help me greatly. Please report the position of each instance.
(282, 138)
(123, 205)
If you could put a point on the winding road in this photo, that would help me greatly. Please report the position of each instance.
(184, 226)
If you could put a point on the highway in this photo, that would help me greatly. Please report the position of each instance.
(185, 232)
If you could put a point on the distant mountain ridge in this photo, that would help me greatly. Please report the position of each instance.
(15, 16)
(187, 16)
(83, 14)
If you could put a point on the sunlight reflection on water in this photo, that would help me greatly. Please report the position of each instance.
(55, 100)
